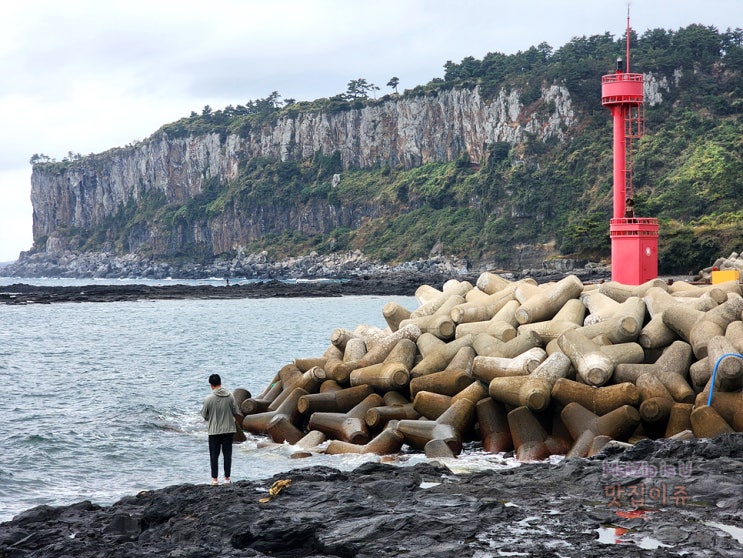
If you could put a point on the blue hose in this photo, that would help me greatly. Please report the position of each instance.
(714, 374)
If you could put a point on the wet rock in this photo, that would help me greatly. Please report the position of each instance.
(403, 284)
(537, 509)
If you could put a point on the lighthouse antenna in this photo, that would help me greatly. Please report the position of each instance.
(627, 40)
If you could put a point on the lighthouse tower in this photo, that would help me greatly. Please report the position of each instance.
(634, 240)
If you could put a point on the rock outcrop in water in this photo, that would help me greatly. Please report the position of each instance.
(403, 284)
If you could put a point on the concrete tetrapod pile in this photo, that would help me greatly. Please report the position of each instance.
(560, 368)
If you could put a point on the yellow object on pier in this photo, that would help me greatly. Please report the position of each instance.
(726, 275)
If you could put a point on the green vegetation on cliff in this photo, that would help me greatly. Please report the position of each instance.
(688, 166)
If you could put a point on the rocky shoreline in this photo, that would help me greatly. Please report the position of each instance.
(66, 263)
(663, 497)
(391, 284)
(308, 276)
(399, 284)
(337, 265)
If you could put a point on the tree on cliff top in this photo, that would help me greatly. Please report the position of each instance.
(393, 83)
(40, 159)
(360, 89)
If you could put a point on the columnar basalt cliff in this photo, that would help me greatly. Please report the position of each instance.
(402, 132)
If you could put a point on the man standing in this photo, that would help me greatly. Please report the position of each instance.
(219, 410)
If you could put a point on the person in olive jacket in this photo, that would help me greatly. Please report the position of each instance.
(219, 410)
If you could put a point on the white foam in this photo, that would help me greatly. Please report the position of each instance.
(732, 530)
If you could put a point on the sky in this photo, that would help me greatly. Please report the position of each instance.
(84, 76)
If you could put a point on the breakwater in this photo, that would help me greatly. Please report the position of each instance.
(560, 368)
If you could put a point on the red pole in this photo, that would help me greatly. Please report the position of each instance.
(620, 161)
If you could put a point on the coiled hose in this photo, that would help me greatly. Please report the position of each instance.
(714, 374)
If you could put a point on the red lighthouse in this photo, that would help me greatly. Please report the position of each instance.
(634, 240)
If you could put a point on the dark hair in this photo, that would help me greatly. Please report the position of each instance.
(215, 380)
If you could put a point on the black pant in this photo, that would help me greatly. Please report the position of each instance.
(221, 442)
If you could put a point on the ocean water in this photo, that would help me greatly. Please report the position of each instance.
(103, 400)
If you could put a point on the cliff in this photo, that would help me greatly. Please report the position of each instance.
(407, 132)
(506, 162)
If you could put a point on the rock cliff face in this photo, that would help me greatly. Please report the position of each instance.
(404, 131)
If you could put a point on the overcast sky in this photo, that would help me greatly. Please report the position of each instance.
(84, 76)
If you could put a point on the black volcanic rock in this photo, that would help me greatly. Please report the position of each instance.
(537, 509)
(403, 284)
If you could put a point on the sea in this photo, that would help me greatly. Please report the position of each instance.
(102, 400)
